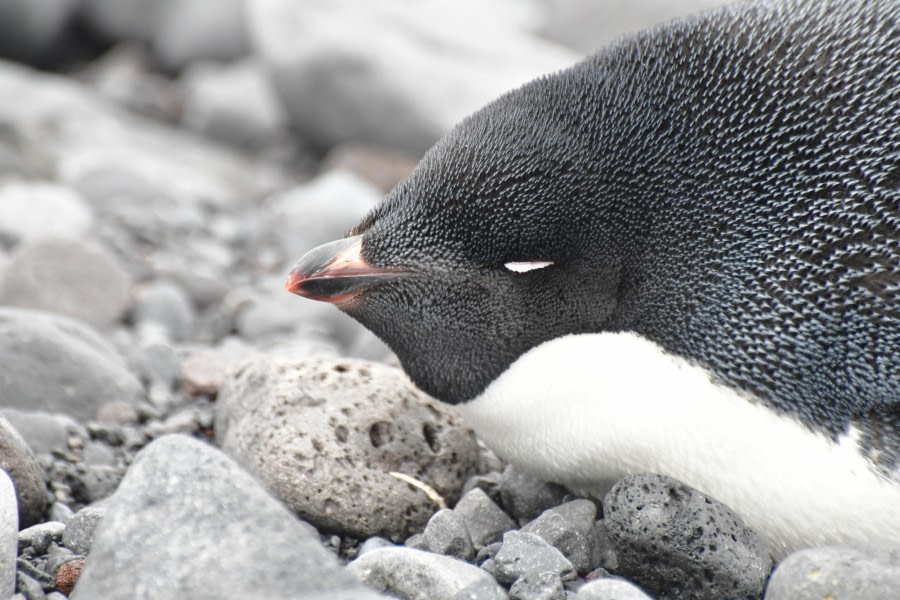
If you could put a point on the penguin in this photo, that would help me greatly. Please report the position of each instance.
(679, 256)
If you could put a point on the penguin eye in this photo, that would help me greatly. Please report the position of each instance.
(529, 265)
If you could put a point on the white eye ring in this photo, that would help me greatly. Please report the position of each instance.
(529, 265)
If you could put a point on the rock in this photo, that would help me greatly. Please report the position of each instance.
(68, 574)
(676, 542)
(538, 586)
(484, 520)
(417, 575)
(447, 534)
(570, 529)
(840, 572)
(9, 527)
(610, 588)
(382, 167)
(200, 527)
(75, 278)
(81, 528)
(324, 435)
(374, 543)
(31, 211)
(165, 305)
(605, 551)
(60, 513)
(320, 211)
(337, 89)
(190, 30)
(526, 554)
(234, 103)
(483, 589)
(30, 587)
(57, 365)
(525, 497)
(38, 537)
(44, 432)
(117, 413)
(19, 462)
(36, 32)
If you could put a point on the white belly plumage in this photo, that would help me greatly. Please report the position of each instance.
(586, 410)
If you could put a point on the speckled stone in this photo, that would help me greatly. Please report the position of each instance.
(839, 572)
(324, 436)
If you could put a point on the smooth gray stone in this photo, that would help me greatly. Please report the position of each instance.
(38, 537)
(324, 435)
(58, 365)
(676, 542)
(9, 529)
(164, 304)
(374, 543)
(60, 512)
(446, 534)
(29, 586)
(481, 590)
(839, 572)
(527, 554)
(485, 521)
(610, 588)
(199, 527)
(538, 586)
(44, 432)
(417, 575)
(79, 533)
(19, 462)
(525, 497)
(570, 529)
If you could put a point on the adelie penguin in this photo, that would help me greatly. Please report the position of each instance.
(679, 256)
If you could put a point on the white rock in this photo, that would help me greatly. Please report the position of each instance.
(9, 535)
(393, 72)
(35, 210)
(609, 588)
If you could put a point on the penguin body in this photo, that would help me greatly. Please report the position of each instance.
(681, 255)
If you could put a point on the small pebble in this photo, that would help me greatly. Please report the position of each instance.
(611, 588)
(525, 497)
(538, 586)
(485, 521)
(38, 537)
(569, 528)
(67, 575)
(446, 534)
(526, 553)
(79, 533)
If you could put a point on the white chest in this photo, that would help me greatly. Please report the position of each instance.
(587, 410)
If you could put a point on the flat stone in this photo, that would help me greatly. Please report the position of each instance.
(17, 459)
(446, 534)
(485, 521)
(840, 572)
(570, 529)
(417, 575)
(525, 497)
(198, 526)
(9, 527)
(58, 365)
(527, 554)
(75, 278)
(31, 211)
(325, 436)
(610, 588)
(676, 542)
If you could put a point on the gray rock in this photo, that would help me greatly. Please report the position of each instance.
(79, 533)
(485, 521)
(30, 587)
(570, 529)
(526, 554)
(337, 89)
(374, 543)
(488, 483)
(447, 534)
(60, 513)
(538, 586)
(31, 211)
(324, 435)
(604, 550)
(676, 542)
(165, 305)
(525, 497)
(190, 30)
(38, 537)
(483, 589)
(57, 365)
(200, 527)
(19, 462)
(417, 575)
(381, 167)
(234, 103)
(44, 432)
(840, 572)
(9, 527)
(610, 588)
(36, 32)
(75, 278)
(416, 542)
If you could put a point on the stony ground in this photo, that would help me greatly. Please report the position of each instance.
(177, 426)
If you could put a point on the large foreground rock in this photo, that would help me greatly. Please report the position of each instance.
(19, 462)
(840, 572)
(188, 523)
(325, 435)
(58, 365)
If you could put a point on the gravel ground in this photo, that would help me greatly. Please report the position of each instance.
(175, 425)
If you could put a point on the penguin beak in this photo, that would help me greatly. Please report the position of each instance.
(336, 272)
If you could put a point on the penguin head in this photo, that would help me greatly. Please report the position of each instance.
(485, 251)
